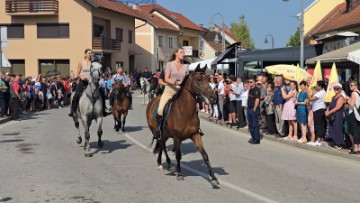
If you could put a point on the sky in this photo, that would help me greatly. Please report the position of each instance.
(263, 17)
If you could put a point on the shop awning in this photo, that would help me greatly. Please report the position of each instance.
(338, 34)
(5, 61)
(228, 56)
(202, 64)
(354, 56)
(339, 55)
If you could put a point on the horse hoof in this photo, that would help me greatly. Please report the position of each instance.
(123, 130)
(171, 168)
(79, 140)
(117, 129)
(179, 177)
(101, 144)
(160, 168)
(88, 155)
(214, 182)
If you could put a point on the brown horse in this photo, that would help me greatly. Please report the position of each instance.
(121, 106)
(183, 121)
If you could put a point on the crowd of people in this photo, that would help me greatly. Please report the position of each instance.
(288, 110)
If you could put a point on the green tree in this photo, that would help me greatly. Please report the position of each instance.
(294, 39)
(241, 31)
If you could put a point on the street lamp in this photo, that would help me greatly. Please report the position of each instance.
(272, 40)
(301, 33)
(216, 40)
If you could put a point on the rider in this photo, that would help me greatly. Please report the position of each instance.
(175, 73)
(83, 72)
(125, 80)
(146, 74)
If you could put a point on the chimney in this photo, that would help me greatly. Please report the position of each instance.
(348, 5)
(135, 6)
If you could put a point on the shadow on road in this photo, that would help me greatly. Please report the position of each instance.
(11, 134)
(10, 141)
(186, 148)
(130, 129)
(110, 146)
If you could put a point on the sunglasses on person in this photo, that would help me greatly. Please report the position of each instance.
(352, 85)
(250, 82)
(337, 88)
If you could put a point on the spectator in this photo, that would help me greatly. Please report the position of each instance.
(215, 107)
(278, 103)
(244, 101)
(220, 91)
(354, 117)
(15, 98)
(318, 108)
(239, 107)
(289, 112)
(302, 111)
(263, 81)
(335, 117)
(3, 89)
(269, 109)
(253, 112)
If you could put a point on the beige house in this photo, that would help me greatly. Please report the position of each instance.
(46, 35)
(160, 33)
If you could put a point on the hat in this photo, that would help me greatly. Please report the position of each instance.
(337, 85)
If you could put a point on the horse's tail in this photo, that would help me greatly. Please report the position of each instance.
(156, 146)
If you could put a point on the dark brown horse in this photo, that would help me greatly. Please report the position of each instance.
(183, 121)
(121, 106)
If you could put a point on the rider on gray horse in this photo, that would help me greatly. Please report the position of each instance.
(83, 72)
(126, 81)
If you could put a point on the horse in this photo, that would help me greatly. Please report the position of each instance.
(145, 88)
(183, 121)
(121, 106)
(90, 108)
(155, 89)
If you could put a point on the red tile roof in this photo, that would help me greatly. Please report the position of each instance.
(175, 17)
(155, 20)
(338, 19)
(114, 6)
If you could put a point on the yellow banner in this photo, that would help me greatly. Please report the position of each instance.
(334, 78)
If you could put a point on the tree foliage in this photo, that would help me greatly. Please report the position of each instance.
(294, 39)
(241, 31)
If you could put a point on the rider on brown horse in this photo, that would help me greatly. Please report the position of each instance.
(120, 76)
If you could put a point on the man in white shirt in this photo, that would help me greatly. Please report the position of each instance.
(239, 107)
(126, 82)
(319, 108)
(220, 91)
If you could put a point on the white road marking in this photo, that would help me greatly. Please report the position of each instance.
(222, 182)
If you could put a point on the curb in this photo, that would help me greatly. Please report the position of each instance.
(5, 120)
(325, 150)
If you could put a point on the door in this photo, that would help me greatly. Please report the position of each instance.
(131, 63)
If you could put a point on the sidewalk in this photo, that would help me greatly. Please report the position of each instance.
(322, 149)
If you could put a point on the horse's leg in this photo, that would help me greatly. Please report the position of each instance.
(119, 122)
(159, 162)
(114, 116)
(76, 120)
(123, 121)
(99, 122)
(85, 122)
(177, 144)
(168, 161)
(199, 144)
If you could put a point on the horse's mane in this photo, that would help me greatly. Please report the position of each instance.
(182, 87)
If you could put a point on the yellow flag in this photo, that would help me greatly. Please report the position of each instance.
(317, 75)
(334, 78)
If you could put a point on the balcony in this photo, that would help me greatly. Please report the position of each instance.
(100, 43)
(31, 7)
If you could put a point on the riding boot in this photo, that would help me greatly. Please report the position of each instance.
(102, 95)
(157, 134)
(74, 104)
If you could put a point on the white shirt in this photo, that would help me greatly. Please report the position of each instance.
(244, 98)
(221, 87)
(319, 103)
(231, 95)
(212, 85)
(239, 90)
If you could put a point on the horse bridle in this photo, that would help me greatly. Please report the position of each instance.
(92, 70)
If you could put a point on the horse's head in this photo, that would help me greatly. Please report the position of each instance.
(153, 83)
(199, 84)
(118, 85)
(95, 71)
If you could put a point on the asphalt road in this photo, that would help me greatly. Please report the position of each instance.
(41, 162)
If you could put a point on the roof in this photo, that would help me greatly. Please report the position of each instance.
(335, 56)
(155, 20)
(175, 17)
(209, 38)
(114, 6)
(337, 19)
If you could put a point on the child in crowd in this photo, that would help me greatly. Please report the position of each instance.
(269, 109)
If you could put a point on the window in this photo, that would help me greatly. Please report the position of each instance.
(119, 34)
(62, 66)
(17, 67)
(52, 30)
(160, 41)
(14, 31)
(130, 37)
(171, 42)
(185, 43)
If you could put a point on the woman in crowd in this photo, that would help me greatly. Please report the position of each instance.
(215, 106)
(302, 111)
(289, 112)
(354, 117)
(269, 109)
(318, 108)
(334, 113)
(310, 123)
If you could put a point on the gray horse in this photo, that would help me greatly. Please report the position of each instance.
(145, 88)
(90, 108)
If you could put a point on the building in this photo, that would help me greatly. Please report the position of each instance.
(162, 34)
(46, 35)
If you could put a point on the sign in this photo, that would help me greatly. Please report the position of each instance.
(3, 37)
(188, 50)
(5, 61)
